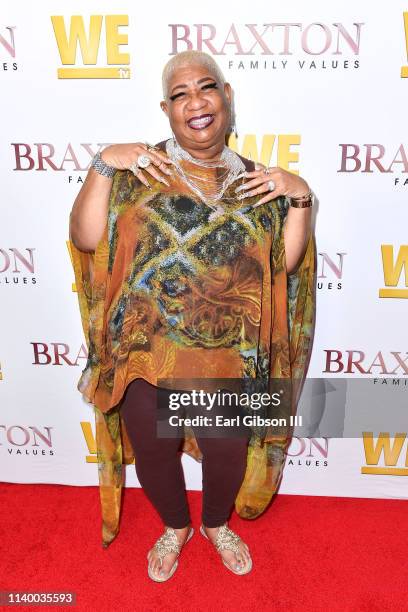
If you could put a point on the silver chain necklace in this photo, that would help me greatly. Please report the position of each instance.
(229, 160)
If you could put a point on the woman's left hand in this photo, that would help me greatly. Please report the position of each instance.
(274, 182)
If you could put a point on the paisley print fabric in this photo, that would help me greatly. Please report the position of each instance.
(176, 290)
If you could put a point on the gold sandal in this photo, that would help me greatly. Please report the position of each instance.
(168, 543)
(228, 540)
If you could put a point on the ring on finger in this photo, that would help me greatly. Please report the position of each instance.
(134, 168)
(267, 171)
(143, 161)
(151, 147)
(271, 185)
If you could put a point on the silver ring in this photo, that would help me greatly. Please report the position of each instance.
(271, 185)
(134, 168)
(143, 161)
(267, 171)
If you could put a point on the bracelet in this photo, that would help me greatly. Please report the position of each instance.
(99, 165)
(303, 202)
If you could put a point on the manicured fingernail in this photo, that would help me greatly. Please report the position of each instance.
(240, 188)
(243, 195)
(242, 175)
(163, 180)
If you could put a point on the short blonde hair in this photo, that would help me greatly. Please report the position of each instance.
(190, 57)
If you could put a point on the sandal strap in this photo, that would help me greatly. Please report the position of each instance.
(167, 543)
(227, 539)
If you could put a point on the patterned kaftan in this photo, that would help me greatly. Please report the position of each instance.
(176, 291)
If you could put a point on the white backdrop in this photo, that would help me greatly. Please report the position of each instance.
(329, 86)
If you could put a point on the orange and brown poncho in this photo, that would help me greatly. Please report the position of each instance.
(176, 291)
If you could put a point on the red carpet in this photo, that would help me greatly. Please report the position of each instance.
(309, 553)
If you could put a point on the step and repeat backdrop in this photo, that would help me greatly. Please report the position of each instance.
(321, 89)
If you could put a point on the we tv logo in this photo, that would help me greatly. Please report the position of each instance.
(388, 455)
(395, 268)
(90, 440)
(277, 149)
(404, 69)
(82, 47)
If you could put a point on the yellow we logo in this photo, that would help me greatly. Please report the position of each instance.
(395, 271)
(90, 440)
(404, 69)
(386, 455)
(90, 41)
(277, 146)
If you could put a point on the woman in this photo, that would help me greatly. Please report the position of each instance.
(184, 272)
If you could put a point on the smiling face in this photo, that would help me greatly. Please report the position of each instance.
(198, 108)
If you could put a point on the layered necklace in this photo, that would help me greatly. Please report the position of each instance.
(209, 190)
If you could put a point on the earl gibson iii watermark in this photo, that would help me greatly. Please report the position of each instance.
(225, 407)
(331, 407)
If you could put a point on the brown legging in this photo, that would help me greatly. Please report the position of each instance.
(158, 463)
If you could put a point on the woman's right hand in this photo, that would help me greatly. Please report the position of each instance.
(122, 156)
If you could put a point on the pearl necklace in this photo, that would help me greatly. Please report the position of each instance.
(209, 191)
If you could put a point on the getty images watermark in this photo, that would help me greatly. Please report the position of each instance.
(332, 407)
(221, 399)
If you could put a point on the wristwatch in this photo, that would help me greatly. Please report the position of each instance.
(99, 165)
